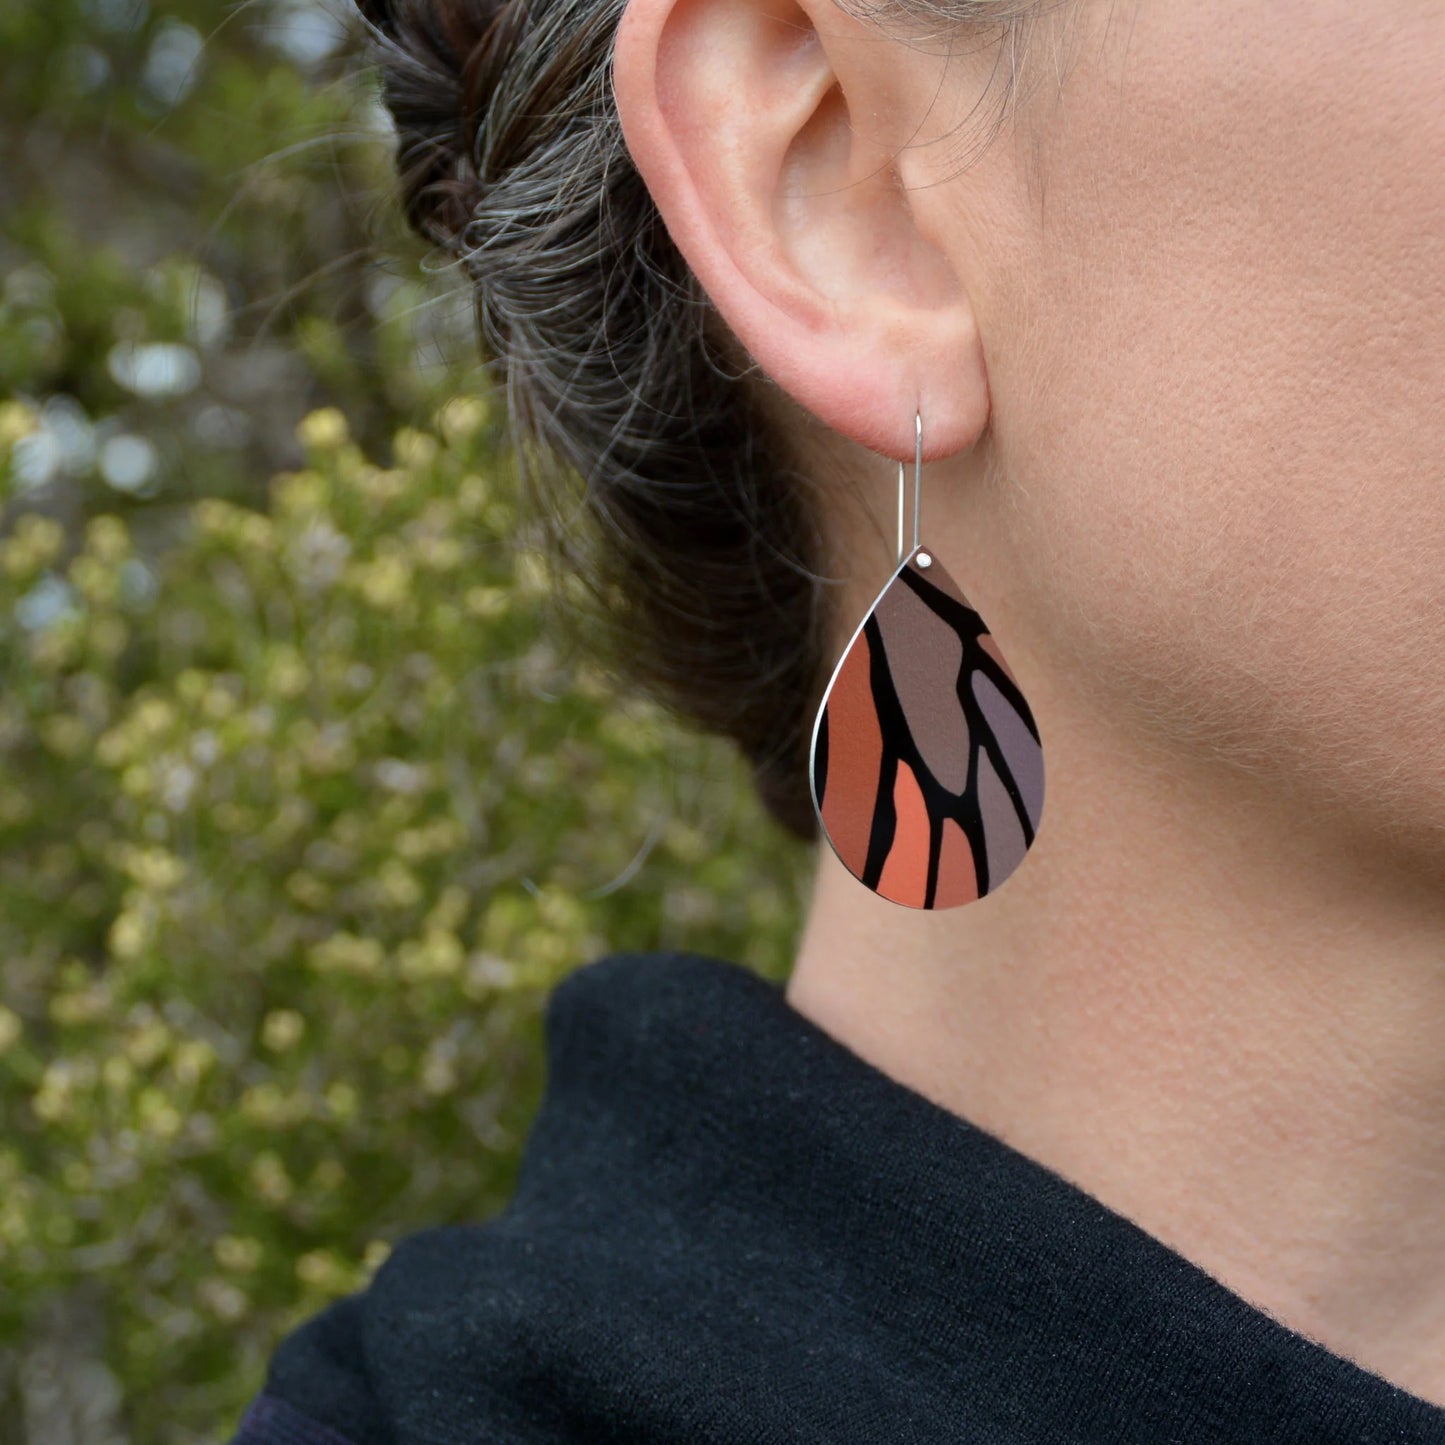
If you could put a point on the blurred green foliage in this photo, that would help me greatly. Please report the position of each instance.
(305, 800)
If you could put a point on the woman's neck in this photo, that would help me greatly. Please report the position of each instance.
(1226, 1024)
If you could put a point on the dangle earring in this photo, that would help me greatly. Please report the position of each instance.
(926, 769)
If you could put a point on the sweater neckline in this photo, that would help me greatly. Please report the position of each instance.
(769, 1145)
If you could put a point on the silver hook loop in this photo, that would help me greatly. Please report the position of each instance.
(917, 488)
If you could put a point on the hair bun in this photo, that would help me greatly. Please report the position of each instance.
(442, 62)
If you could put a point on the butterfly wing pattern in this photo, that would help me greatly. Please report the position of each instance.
(927, 772)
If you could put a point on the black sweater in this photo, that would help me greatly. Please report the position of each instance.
(731, 1230)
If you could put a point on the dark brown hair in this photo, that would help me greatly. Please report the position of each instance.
(698, 536)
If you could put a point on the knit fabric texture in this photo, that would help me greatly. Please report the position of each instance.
(729, 1229)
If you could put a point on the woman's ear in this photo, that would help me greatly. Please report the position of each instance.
(774, 137)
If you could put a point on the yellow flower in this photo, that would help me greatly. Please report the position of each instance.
(324, 430)
(282, 1029)
(16, 421)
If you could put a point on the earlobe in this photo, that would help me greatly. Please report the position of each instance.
(796, 219)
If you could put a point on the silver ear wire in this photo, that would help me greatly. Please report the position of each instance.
(901, 485)
(917, 472)
(917, 488)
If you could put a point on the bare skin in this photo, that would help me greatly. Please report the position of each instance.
(1175, 335)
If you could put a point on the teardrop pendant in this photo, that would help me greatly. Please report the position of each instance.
(926, 768)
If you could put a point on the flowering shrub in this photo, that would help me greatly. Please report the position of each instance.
(300, 818)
